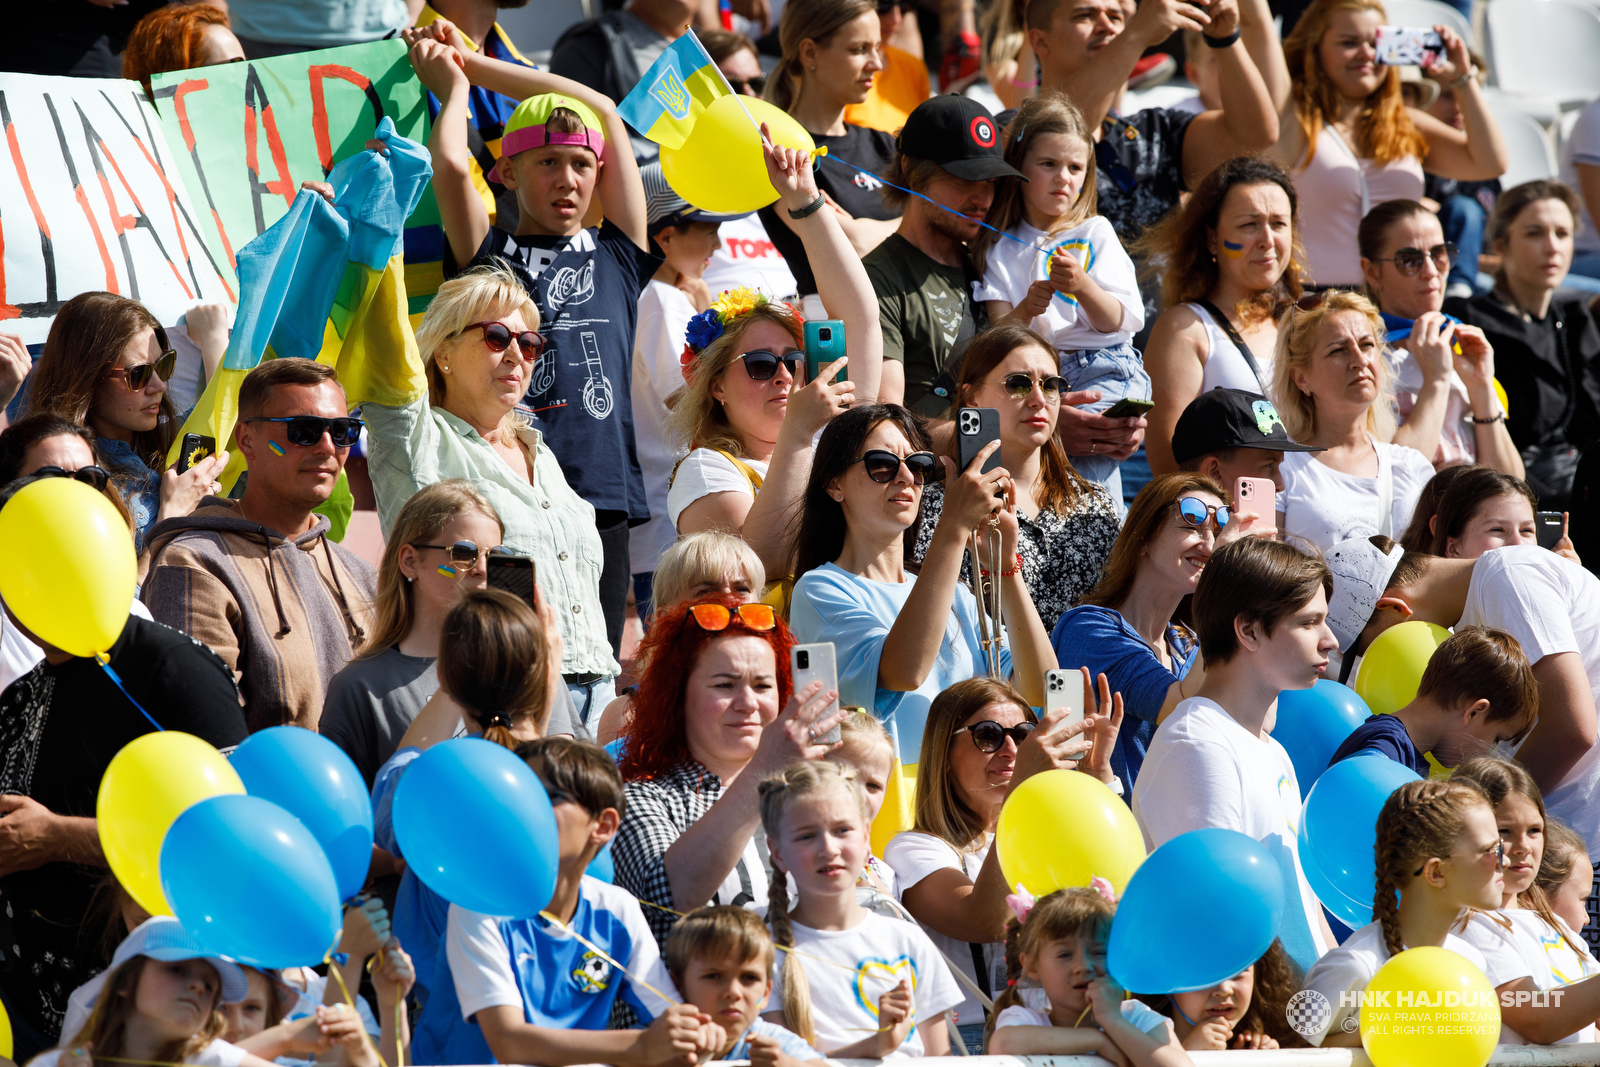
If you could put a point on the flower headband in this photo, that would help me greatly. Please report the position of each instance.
(1021, 902)
(709, 325)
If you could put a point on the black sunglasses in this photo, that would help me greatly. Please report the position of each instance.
(1019, 386)
(497, 337)
(1409, 261)
(883, 466)
(749, 86)
(139, 377)
(94, 477)
(462, 553)
(761, 364)
(989, 735)
(307, 430)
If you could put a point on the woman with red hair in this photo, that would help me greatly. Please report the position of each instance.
(179, 37)
(705, 730)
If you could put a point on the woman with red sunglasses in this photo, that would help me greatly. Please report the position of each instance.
(706, 728)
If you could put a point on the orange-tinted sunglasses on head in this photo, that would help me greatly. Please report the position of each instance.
(715, 617)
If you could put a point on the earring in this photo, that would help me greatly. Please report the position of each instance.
(408, 579)
(446, 370)
(812, 69)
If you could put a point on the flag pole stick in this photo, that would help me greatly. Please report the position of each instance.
(728, 86)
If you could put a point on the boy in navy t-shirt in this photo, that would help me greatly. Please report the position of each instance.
(586, 280)
(526, 991)
(1477, 692)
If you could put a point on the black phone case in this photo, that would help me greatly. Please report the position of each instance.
(195, 448)
(1547, 528)
(975, 428)
(514, 574)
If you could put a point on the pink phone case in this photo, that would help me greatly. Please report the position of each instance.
(1256, 495)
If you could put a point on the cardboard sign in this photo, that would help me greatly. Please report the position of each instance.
(90, 200)
(248, 134)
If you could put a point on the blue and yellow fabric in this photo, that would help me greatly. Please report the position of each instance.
(327, 282)
(679, 85)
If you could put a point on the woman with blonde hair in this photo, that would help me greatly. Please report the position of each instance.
(1008, 63)
(1331, 385)
(832, 51)
(746, 412)
(1351, 141)
(477, 345)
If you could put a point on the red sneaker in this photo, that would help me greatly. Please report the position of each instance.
(962, 63)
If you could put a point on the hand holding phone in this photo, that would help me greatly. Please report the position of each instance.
(824, 344)
(195, 448)
(1256, 497)
(816, 663)
(515, 574)
(1549, 527)
(975, 429)
(1129, 407)
(1064, 689)
(1409, 46)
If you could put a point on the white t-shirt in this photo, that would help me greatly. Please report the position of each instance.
(1205, 770)
(914, 856)
(1142, 1016)
(18, 655)
(664, 314)
(1550, 605)
(1013, 267)
(1348, 968)
(882, 953)
(1325, 506)
(1583, 146)
(217, 1054)
(748, 256)
(1529, 949)
(705, 471)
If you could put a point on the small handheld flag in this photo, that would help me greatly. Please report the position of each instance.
(679, 85)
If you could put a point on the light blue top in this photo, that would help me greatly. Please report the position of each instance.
(789, 1042)
(324, 23)
(831, 604)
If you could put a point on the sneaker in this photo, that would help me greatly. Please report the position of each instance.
(1151, 71)
(1461, 289)
(962, 63)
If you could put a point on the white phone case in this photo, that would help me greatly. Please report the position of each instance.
(819, 666)
(1064, 689)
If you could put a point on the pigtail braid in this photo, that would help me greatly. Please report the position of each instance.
(796, 987)
(1419, 821)
(1013, 975)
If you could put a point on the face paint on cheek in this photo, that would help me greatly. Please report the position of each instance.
(277, 450)
(447, 570)
(1231, 250)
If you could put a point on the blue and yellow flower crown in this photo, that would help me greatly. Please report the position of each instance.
(709, 325)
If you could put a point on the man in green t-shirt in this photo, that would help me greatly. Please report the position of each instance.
(948, 151)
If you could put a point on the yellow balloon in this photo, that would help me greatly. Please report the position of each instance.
(1429, 1007)
(6, 1046)
(720, 168)
(1060, 828)
(153, 780)
(70, 570)
(1392, 669)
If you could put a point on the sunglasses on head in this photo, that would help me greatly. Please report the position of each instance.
(138, 377)
(497, 337)
(883, 466)
(1196, 512)
(464, 554)
(715, 617)
(1020, 386)
(307, 430)
(761, 364)
(94, 477)
(989, 735)
(1409, 261)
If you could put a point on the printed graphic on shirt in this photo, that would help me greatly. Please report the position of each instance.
(592, 975)
(597, 389)
(1289, 793)
(883, 975)
(1078, 248)
(947, 309)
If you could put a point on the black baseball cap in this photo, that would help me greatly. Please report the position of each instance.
(1230, 418)
(960, 135)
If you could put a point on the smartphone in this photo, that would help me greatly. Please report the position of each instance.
(1547, 527)
(514, 574)
(824, 344)
(1129, 407)
(815, 663)
(975, 428)
(1408, 46)
(1064, 689)
(195, 448)
(1259, 495)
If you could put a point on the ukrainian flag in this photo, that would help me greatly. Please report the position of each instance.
(327, 282)
(673, 92)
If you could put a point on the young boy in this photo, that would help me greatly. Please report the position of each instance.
(720, 958)
(1229, 434)
(562, 146)
(1260, 614)
(539, 995)
(1477, 692)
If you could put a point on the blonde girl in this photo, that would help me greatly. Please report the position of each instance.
(1527, 945)
(1065, 273)
(868, 749)
(1565, 875)
(1059, 998)
(815, 815)
(1438, 854)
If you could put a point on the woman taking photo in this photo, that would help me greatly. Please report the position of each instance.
(1351, 141)
(1548, 346)
(1480, 510)
(903, 640)
(746, 410)
(1230, 265)
(981, 742)
(1065, 523)
(1331, 385)
(1447, 404)
(105, 366)
(705, 729)
(436, 552)
(832, 50)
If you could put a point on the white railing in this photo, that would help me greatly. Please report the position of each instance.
(1587, 1055)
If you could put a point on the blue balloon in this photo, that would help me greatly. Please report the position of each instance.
(1352, 913)
(603, 867)
(249, 881)
(1313, 723)
(1339, 827)
(1167, 940)
(475, 824)
(312, 779)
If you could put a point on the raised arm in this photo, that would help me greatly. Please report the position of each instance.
(1247, 122)
(1261, 40)
(461, 210)
(1094, 87)
(1478, 152)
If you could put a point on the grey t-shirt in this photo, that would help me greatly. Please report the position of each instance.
(372, 701)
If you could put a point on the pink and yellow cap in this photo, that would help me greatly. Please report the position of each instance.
(528, 128)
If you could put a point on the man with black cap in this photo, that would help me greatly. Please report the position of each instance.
(949, 152)
(1228, 434)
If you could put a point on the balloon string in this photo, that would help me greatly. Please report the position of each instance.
(782, 948)
(333, 969)
(603, 954)
(374, 965)
(105, 665)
